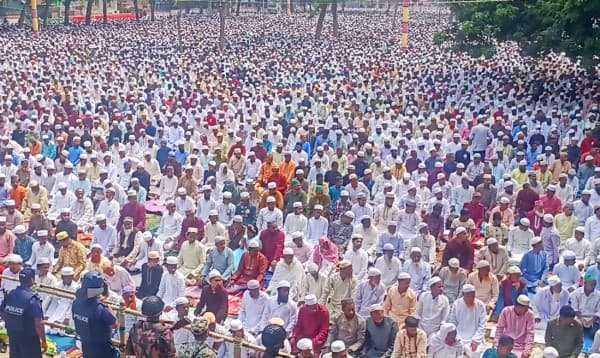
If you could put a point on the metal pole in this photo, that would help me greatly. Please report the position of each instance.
(122, 341)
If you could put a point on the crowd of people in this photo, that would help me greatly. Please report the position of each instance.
(366, 200)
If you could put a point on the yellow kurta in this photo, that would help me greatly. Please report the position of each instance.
(398, 305)
(191, 259)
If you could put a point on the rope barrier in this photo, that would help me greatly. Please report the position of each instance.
(121, 312)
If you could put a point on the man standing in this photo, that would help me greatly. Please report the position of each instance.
(22, 314)
(94, 321)
(565, 333)
(150, 337)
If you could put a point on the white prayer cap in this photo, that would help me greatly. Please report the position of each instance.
(297, 235)
(491, 241)
(375, 307)
(181, 191)
(304, 344)
(283, 284)
(153, 255)
(523, 300)
(373, 272)
(253, 244)
(535, 240)
(253, 285)
(550, 352)
(42, 233)
(310, 299)
(388, 247)
(513, 270)
(415, 249)
(482, 264)
(454, 262)
(297, 204)
(312, 267)
(147, 236)
(403, 276)
(227, 195)
(318, 207)
(10, 202)
(288, 251)
(19, 229)
(271, 199)
(548, 218)
(272, 185)
(432, 281)
(338, 346)
(181, 301)
(171, 260)
(553, 280)
(14, 259)
(504, 200)
(36, 206)
(65, 211)
(213, 274)
(468, 288)
(219, 238)
(213, 212)
(96, 246)
(460, 230)
(43, 261)
(345, 263)
(580, 229)
(569, 255)
(100, 217)
(525, 222)
(235, 325)
(67, 271)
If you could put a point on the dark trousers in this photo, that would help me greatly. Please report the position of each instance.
(21, 347)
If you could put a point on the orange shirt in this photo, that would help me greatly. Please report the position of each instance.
(278, 199)
(18, 194)
(35, 148)
(288, 170)
(266, 170)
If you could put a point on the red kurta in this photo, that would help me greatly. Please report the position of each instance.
(251, 267)
(272, 244)
(312, 325)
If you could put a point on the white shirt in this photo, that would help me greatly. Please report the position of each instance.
(587, 305)
(111, 209)
(183, 204)
(518, 241)
(172, 286)
(592, 228)
(168, 187)
(580, 248)
(295, 222)
(265, 215)
(316, 229)
(469, 321)
(170, 225)
(252, 310)
(286, 311)
(359, 260)
(389, 269)
(432, 312)
(204, 207)
(39, 251)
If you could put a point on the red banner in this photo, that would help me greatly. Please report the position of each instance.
(111, 17)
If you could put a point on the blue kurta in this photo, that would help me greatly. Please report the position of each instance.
(534, 268)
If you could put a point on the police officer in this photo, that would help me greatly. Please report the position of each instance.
(94, 321)
(149, 337)
(22, 313)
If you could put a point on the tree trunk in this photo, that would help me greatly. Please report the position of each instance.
(152, 6)
(22, 15)
(221, 26)
(179, 29)
(67, 10)
(395, 14)
(322, 13)
(88, 12)
(335, 19)
(47, 13)
(105, 11)
(237, 7)
(387, 9)
(136, 8)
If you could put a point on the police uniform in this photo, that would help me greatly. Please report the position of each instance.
(93, 320)
(21, 308)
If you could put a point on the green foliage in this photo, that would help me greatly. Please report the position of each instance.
(572, 26)
(440, 37)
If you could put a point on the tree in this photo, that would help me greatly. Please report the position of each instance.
(334, 15)
(221, 25)
(152, 7)
(88, 12)
(46, 13)
(320, 20)
(136, 8)
(105, 11)
(67, 11)
(572, 26)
